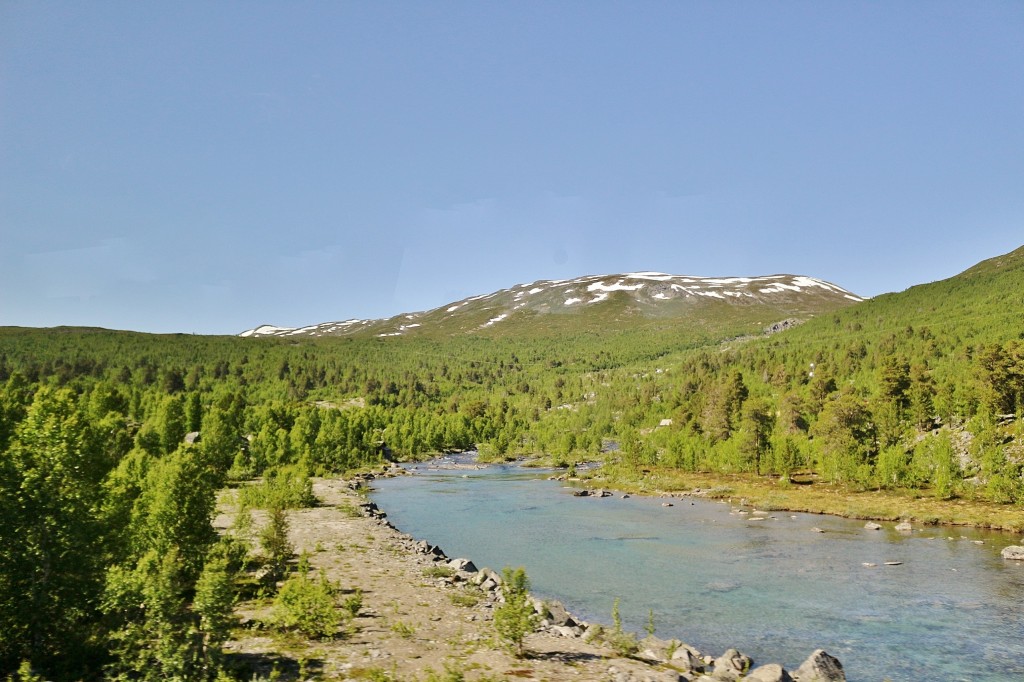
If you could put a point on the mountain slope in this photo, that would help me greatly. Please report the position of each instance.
(606, 303)
(979, 305)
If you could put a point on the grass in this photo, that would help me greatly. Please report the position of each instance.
(439, 572)
(403, 629)
(467, 597)
(838, 500)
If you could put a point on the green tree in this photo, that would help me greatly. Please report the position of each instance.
(516, 618)
(50, 569)
(171, 426)
(755, 432)
(845, 439)
(895, 381)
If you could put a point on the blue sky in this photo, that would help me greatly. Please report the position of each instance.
(208, 167)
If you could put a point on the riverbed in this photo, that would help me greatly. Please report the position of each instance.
(934, 603)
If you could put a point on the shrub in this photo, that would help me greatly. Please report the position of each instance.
(515, 618)
(308, 606)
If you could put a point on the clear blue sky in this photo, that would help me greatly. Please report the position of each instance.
(210, 166)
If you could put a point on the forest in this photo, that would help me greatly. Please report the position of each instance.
(114, 445)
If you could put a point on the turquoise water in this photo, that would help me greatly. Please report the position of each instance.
(715, 579)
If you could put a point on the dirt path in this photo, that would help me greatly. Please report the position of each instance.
(414, 619)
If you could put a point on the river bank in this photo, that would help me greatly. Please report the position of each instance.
(813, 496)
(426, 617)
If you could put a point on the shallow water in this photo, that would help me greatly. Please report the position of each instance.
(715, 578)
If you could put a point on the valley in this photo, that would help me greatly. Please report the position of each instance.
(904, 407)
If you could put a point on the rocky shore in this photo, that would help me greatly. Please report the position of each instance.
(653, 658)
(426, 617)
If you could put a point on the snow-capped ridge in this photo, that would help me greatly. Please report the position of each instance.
(645, 292)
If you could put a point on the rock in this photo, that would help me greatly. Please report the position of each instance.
(731, 665)
(1013, 552)
(625, 496)
(666, 504)
(820, 667)
(904, 527)
(488, 585)
(871, 525)
(564, 631)
(558, 615)
(773, 672)
(463, 565)
(817, 530)
(581, 493)
(687, 660)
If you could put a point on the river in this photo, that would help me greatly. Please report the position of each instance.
(769, 584)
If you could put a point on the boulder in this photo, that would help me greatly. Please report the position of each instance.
(871, 525)
(820, 667)
(1013, 552)
(651, 655)
(773, 672)
(463, 565)
(581, 493)
(687, 660)
(731, 665)
(564, 631)
(558, 615)
(904, 527)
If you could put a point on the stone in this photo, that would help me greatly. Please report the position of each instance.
(731, 665)
(581, 493)
(687, 660)
(1013, 552)
(773, 672)
(564, 631)
(871, 525)
(904, 527)
(463, 565)
(817, 530)
(558, 615)
(820, 667)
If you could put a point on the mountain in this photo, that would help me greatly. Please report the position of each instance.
(651, 300)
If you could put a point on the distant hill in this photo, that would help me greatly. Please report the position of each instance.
(606, 303)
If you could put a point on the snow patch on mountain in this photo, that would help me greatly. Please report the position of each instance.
(646, 289)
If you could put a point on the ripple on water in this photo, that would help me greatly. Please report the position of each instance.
(774, 589)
